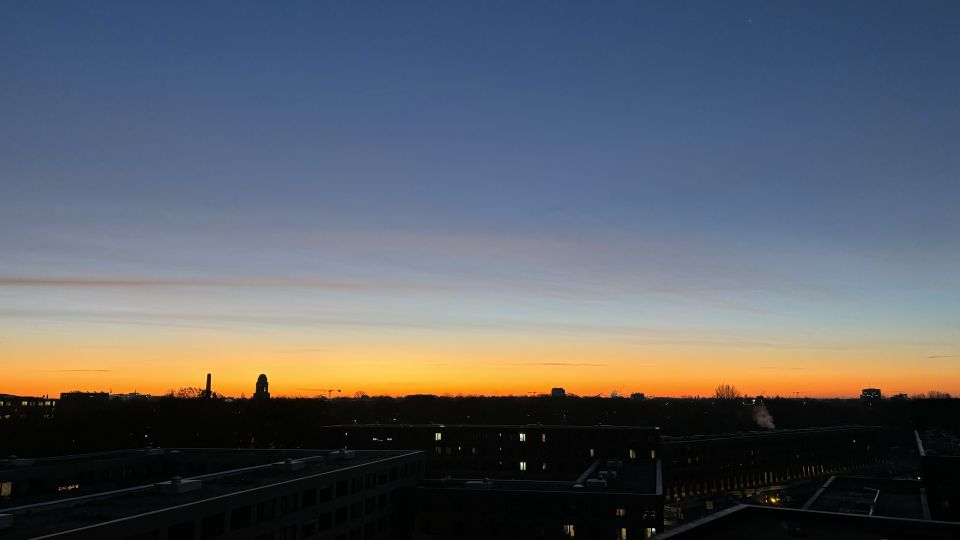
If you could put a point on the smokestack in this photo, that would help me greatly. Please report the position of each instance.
(206, 393)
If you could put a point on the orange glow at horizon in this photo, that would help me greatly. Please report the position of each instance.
(402, 366)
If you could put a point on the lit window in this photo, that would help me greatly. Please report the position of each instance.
(649, 532)
(543, 437)
(592, 453)
(544, 466)
(6, 488)
(633, 454)
(523, 465)
(622, 533)
(621, 511)
(438, 436)
(653, 454)
(523, 437)
(569, 531)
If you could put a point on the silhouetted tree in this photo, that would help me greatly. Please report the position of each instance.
(727, 391)
(191, 392)
(932, 394)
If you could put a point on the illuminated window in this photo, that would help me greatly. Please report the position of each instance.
(6, 488)
(622, 533)
(544, 466)
(592, 453)
(653, 454)
(543, 437)
(633, 454)
(621, 511)
(523, 465)
(569, 531)
(523, 437)
(438, 436)
(649, 532)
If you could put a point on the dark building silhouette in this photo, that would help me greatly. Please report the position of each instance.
(263, 389)
(526, 481)
(939, 450)
(180, 494)
(81, 402)
(558, 392)
(26, 407)
(208, 392)
(703, 471)
(531, 451)
(870, 396)
(616, 499)
(84, 397)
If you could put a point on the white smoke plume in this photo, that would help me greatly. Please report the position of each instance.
(762, 417)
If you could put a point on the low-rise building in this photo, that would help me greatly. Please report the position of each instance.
(531, 451)
(611, 499)
(939, 450)
(26, 407)
(259, 495)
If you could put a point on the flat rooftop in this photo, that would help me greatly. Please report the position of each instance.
(64, 514)
(768, 523)
(938, 442)
(871, 497)
(496, 426)
(634, 477)
(765, 433)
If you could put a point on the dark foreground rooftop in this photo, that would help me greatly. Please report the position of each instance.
(769, 523)
(65, 514)
(611, 476)
(871, 497)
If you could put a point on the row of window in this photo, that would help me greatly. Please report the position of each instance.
(521, 436)
(591, 452)
(8, 403)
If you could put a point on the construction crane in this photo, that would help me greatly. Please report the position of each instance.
(330, 391)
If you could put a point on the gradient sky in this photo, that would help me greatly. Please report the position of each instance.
(480, 197)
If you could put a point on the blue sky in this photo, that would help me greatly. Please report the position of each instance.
(736, 173)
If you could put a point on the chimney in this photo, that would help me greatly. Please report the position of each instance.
(207, 394)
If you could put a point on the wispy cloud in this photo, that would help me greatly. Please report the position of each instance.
(76, 371)
(782, 368)
(945, 356)
(560, 364)
(291, 282)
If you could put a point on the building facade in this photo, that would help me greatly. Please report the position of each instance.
(532, 451)
(335, 495)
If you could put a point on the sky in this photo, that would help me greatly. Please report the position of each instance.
(491, 197)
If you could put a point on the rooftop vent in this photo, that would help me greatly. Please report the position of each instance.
(342, 454)
(290, 465)
(178, 485)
